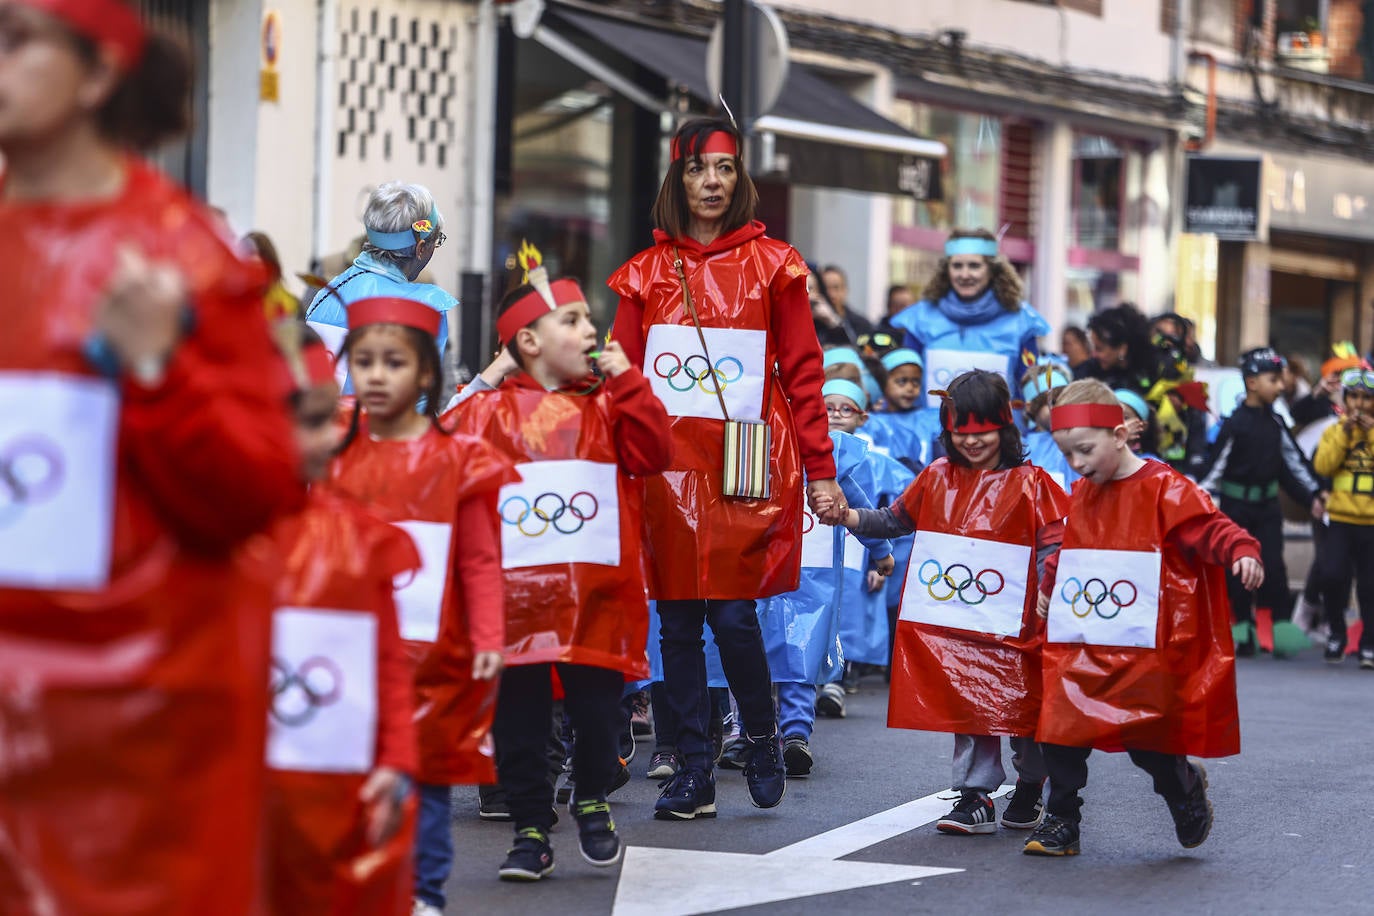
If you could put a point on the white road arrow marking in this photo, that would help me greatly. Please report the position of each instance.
(685, 882)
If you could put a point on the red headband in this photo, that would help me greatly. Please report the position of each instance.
(717, 142)
(319, 365)
(533, 306)
(393, 310)
(1102, 416)
(107, 23)
(970, 424)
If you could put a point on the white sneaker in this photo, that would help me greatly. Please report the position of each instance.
(830, 701)
(1306, 614)
(425, 909)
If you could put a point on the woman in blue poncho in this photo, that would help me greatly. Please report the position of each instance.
(972, 315)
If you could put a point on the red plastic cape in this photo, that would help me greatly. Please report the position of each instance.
(424, 480)
(961, 681)
(131, 767)
(337, 556)
(700, 543)
(583, 613)
(1178, 698)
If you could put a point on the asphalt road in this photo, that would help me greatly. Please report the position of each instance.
(1293, 823)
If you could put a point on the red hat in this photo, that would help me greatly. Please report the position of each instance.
(393, 310)
(111, 24)
(718, 141)
(1194, 394)
(533, 306)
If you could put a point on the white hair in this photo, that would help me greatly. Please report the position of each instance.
(393, 207)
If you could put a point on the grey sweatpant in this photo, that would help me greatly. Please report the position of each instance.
(978, 762)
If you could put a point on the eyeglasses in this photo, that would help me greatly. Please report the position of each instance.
(879, 339)
(440, 239)
(841, 410)
(1358, 378)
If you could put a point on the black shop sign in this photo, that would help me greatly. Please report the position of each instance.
(1223, 197)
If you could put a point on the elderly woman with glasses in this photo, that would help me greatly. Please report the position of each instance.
(404, 228)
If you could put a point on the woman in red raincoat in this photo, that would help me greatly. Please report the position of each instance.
(717, 315)
(144, 435)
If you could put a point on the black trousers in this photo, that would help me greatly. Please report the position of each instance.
(1068, 769)
(1348, 550)
(1264, 521)
(524, 708)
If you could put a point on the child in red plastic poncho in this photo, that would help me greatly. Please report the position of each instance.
(441, 489)
(572, 557)
(966, 658)
(1138, 652)
(341, 744)
(144, 436)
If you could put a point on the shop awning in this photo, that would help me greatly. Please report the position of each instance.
(816, 134)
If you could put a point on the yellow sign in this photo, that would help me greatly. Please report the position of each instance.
(267, 85)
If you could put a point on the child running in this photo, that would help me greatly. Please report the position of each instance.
(1138, 654)
(1346, 455)
(967, 653)
(442, 490)
(572, 560)
(340, 743)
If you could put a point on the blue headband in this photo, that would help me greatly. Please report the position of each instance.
(973, 245)
(902, 356)
(840, 356)
(418, 231)
(847, 389)
(1134, 401)
(1041, 378)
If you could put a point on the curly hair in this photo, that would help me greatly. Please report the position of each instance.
(1005, 282)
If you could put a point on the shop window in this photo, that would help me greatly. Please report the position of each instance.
(1213, 21)
(1097, 193)
(1300, 35)
(970, 176)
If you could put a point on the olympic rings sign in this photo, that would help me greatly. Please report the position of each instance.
(549, 510)
(697, 369)
(1094, 593)
(31, 471)
(297, 696)
(959, 579)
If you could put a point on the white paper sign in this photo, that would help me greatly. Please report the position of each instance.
(1105, 598)
(966, 583)
(58, 434)
(818, 543)
(684, 380)
(561, 512)
(944, 366)
(333, 338)
(323, 711)
(420, 595)
(854, 552)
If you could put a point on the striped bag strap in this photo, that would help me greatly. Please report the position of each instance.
(692, 310)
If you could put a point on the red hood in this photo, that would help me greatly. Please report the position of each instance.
(745, 233)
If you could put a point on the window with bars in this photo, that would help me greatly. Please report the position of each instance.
(184, 159)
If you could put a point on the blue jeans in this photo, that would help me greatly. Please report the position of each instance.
(796, 709)
(736, 627)
(433, 844)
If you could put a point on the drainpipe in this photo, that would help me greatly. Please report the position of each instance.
(326, 30)
(1210, 132)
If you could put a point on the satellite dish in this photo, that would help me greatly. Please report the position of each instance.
(768, 59)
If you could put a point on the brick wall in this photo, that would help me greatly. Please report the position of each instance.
(1343, 26)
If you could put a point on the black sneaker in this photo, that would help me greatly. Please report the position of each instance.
(689, 793)
(621, 777)
(596, 835)
(734, 753)
(1367, 659)
(491, 803)
(796, 756)
(830, 701)
(627, 744)
(764, 773)
(972, 813)
(1024, 808)
(530, 859)
(641, 721)
(1335, 651)
(1193, 813)
(662, 765)
(1054, 837)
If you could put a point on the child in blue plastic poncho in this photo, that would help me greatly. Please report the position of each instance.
(1142, 435)
(801, 629)
(1045, 377)
(901, 425)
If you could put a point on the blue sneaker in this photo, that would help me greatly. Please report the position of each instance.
(687, 794)
(765, 773)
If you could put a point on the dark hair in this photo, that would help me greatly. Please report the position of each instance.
(151, 102)
(1124, 324)
(835, 268)
(427, 353)
(984, 396)
(1002, 277)
(1079, 335)
(260, 244)
(671, 213)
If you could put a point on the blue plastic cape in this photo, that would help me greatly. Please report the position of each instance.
(1042, 452)
(890, 478)
(908, 435)
(715, 674)
(1009, 333)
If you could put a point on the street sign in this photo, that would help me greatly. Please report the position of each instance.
(768, 62)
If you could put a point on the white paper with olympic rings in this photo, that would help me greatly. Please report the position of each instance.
(57, 479)
(944, 366)
(1105, 598)
(678, 371)
(420, 594)
(966, 583)
(561, 512)
(322, 712)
